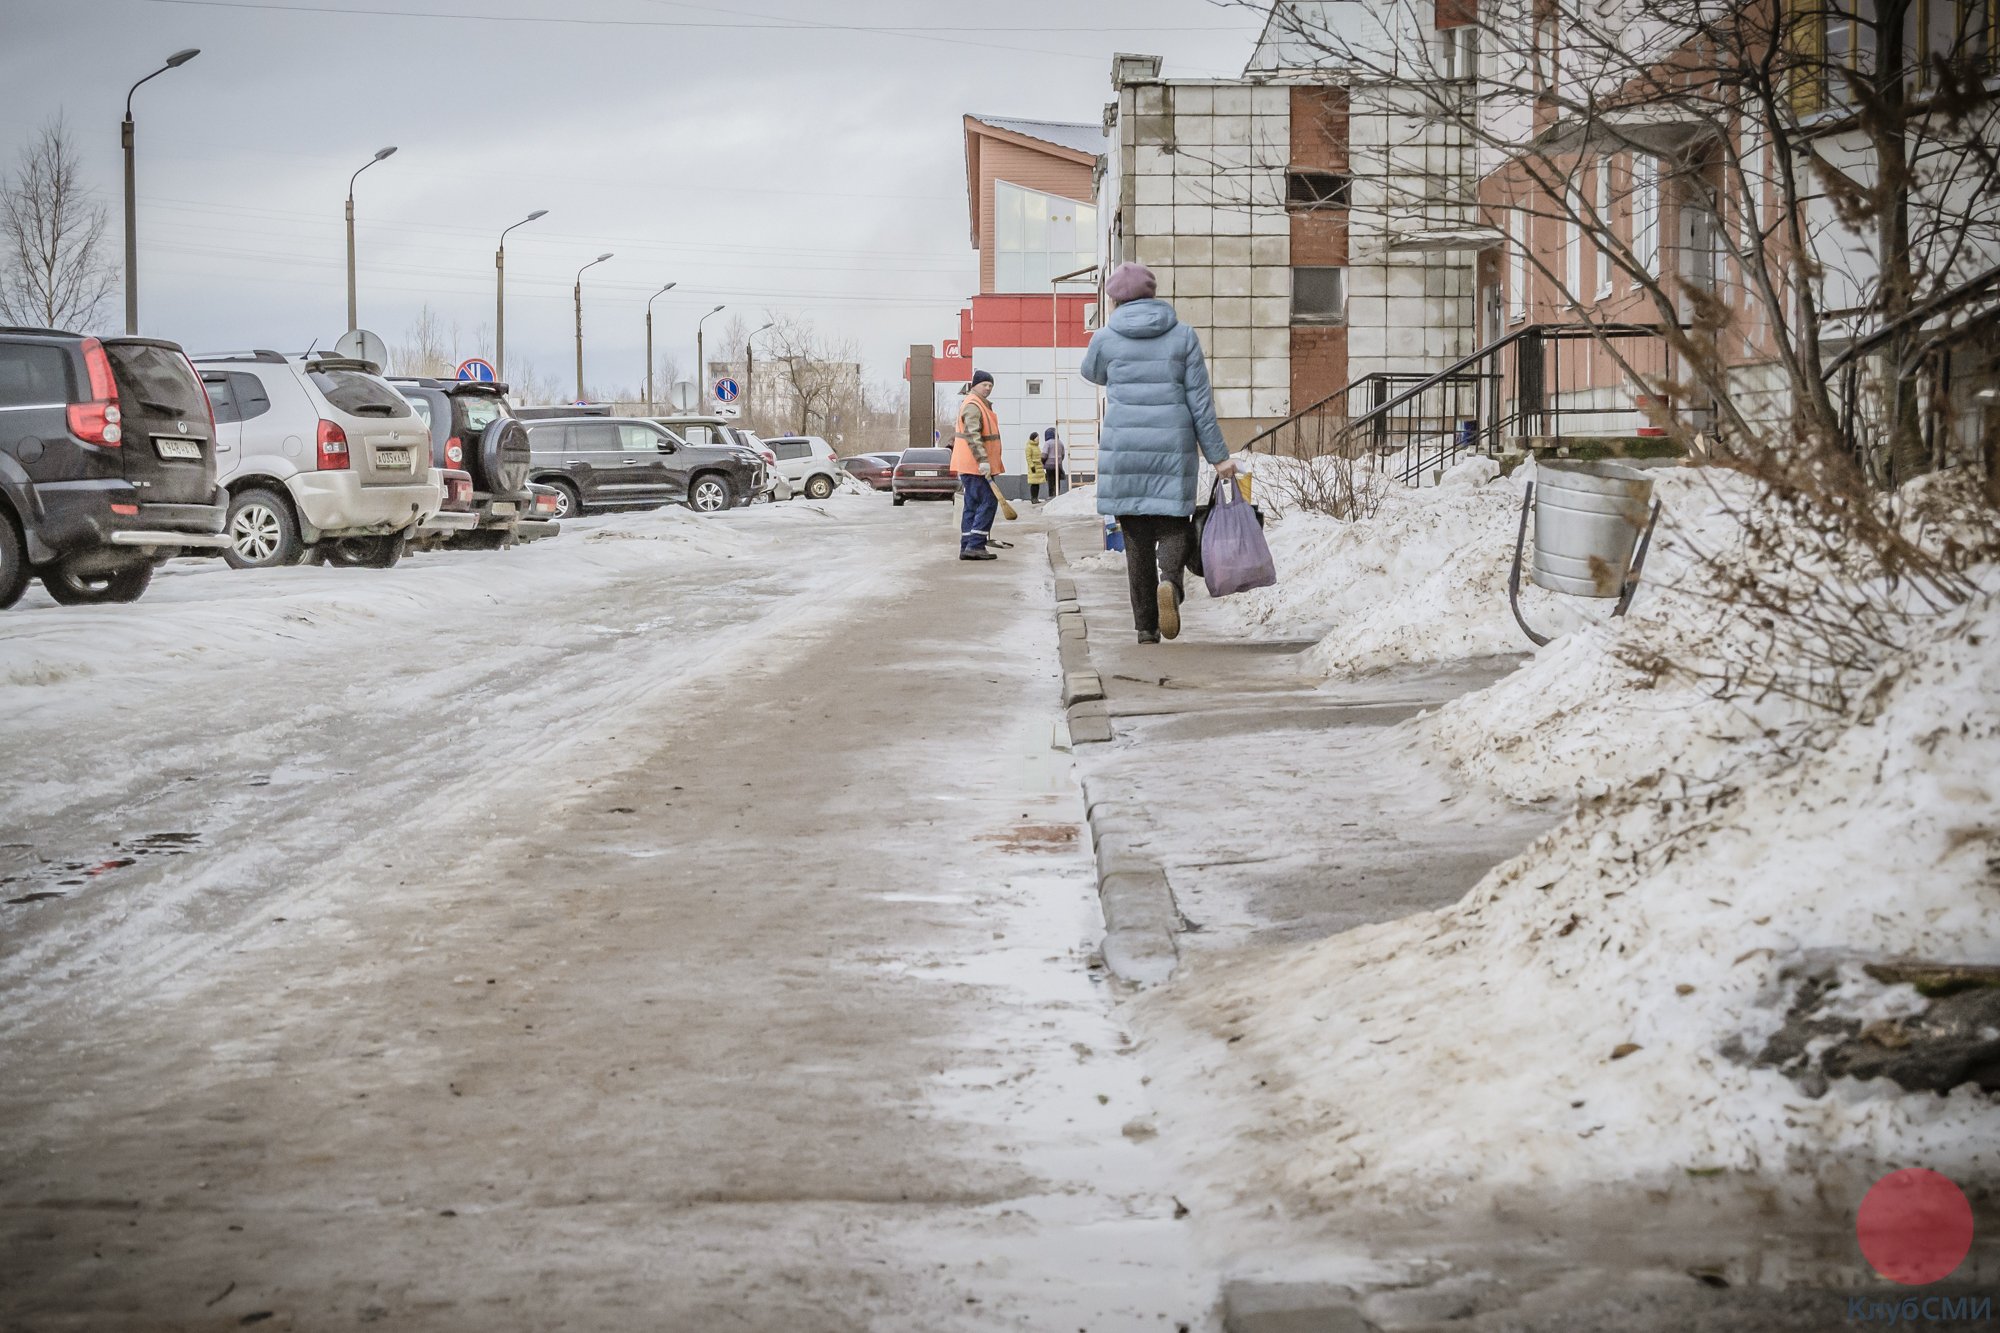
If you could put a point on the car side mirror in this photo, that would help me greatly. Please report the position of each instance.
(666, 446)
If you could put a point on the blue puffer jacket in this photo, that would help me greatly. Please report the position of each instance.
(1159, 410)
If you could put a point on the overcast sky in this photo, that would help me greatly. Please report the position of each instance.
(783, 155)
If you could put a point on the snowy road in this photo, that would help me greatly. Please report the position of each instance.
(680, 924)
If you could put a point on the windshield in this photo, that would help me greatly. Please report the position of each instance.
(360, 395)
(157, 377)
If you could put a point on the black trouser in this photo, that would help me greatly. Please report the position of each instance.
(1155, 553)
(1034, 492)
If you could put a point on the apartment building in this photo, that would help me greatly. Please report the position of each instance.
(1313, 220)
(1031, 204)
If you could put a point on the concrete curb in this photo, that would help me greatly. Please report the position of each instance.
(1083, 689)
(1140, 916)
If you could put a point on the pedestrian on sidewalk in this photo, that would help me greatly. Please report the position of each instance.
(1036, 474)
(1159, 423)
(1052, 461)
(976, 461)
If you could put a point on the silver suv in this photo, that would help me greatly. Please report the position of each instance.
(322, 458)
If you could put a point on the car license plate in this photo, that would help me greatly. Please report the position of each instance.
(503, 506)
(396, 459)
(172, 448)
(921, 473)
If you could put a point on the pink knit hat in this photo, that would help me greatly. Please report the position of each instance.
(1131, 282)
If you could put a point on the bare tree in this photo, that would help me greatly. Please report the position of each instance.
(1779, 221)
(821, 374)
(427, 348)
(57, 272)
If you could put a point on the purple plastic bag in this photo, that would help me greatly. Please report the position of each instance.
(1234, 555)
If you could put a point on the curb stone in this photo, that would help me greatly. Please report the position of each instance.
(1258, 1307)
(1140, 917)
(1083, 689)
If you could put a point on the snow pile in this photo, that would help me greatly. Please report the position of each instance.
(1580, 1019)
(1422, 581)
(1077, 502)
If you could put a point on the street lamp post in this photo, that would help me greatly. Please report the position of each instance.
(354, 320)
(579, 320)
(500, 297)
(652, 402)
(750, 367)
(174, 61)
(701, 365)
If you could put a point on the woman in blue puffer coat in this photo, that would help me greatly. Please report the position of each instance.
(1159, 412)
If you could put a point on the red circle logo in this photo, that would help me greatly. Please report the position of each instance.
(1915, 1227)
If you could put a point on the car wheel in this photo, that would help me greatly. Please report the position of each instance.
(262, 532)
(364, 552)
(119, 585)
(710, 494)
(568, 505)
(898, 500)
(14, 574)
(819, 487)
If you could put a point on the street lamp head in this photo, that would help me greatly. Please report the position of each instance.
(538, 213)
(179, 58)
(381, 153)
(601, 258)
(718, 310)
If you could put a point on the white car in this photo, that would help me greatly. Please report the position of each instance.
(319, 454)
(808, 463)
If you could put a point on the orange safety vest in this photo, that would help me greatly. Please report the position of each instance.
(963, 461)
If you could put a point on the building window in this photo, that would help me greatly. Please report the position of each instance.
(1319, 296)
(1306, 191)
(1646, 214)
(1573, 247)
(1517, 266)
(1039, 237)
(1034, 388)
(1458, 52)
(1604, 232)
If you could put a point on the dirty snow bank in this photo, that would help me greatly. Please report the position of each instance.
(1424, 580)
(1076, 502)
(1577, 1020)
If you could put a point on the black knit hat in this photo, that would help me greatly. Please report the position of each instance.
(980, 377)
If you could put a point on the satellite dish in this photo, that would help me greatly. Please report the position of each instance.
(361, 345)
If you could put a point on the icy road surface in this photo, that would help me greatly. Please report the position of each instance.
(679, 924)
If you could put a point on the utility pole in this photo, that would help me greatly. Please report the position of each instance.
(652, 402)
(700, 361)
(353, 319)
(500, 297)
(174, 61)
(750, 368)
(579, 320)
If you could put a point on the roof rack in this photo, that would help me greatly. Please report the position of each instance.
(28, 328)
(434, 382)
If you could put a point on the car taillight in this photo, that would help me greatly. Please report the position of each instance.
(332, 447)
(97, 421)
(454, 452)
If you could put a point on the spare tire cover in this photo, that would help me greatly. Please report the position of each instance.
(503, 456)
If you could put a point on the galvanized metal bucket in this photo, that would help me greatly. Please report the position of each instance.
(1588, 517)
(1593, 523)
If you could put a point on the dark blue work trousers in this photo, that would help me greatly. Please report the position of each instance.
(975, 525)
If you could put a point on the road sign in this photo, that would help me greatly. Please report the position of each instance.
(477, 369)
(726, 391)
(728, 411)
(684, 395)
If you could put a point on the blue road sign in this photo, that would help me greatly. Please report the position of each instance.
(726, 391)
(478, 369)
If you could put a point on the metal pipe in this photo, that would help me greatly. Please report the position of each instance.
(125, 139)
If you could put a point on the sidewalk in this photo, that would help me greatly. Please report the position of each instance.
(1217, 739)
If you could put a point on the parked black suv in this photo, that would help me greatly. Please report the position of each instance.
(107, 464)
(627, 463)
(474, 428)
